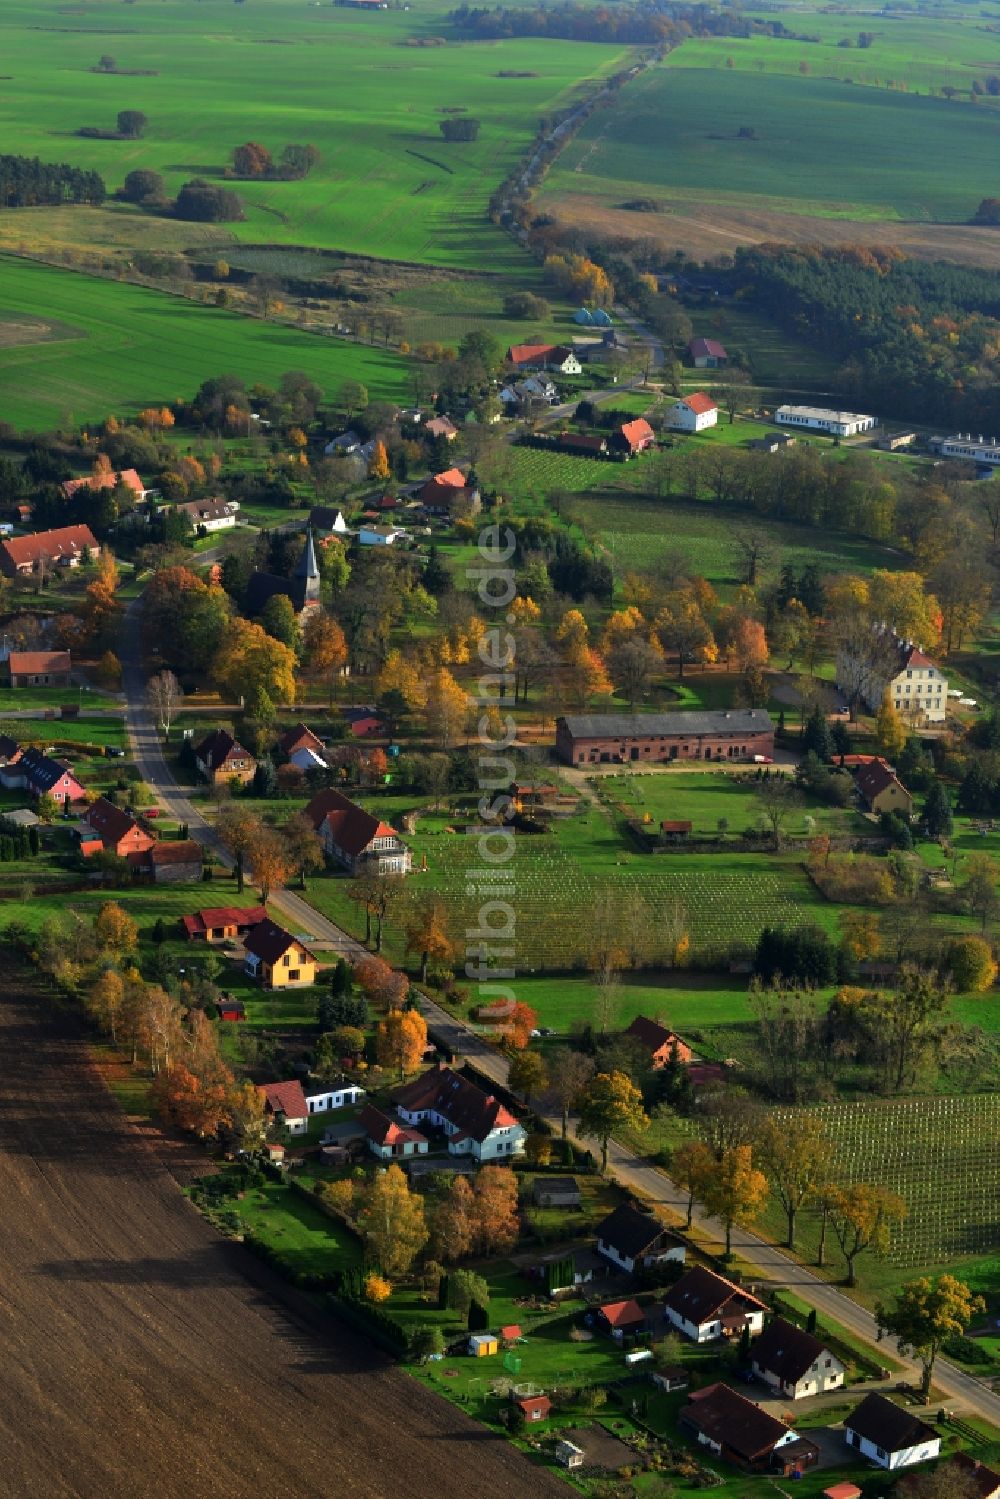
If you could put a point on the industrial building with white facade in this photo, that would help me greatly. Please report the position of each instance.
(818, 419)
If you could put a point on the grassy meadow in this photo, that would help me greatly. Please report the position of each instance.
(676, 134)
(357, 86)
(123, 347)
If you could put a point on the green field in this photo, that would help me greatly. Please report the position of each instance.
(676, 133)
(135, 347)
(354, 85)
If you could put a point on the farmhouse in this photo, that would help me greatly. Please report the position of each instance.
(221, 758)
(693, 413)
(706, 1306)
(544, 356)
(658, 1041)
(302, 588)
(276, 958)
(39, 668)
(634, 437)
(388, 1139)
(619, 738)
(882, 790)
(795, 1363)
(117, 830)
(66, 546)
(356, 839)
(222, 923)
(819, 419)
(888, 1435)
(915, 685)
(299, 736)
(178, 862)
(735, 1428)
(206, 516)
(633, 1240)
(707, 354)
(285, 1103)
(107, 478)
(475, 1123)
(441, 426)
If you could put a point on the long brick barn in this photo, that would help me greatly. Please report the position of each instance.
(621, 738)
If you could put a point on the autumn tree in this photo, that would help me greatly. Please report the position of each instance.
(427, 934)
(569, 1073)
(527, 1075)
(447, 706)
(925, 1314)
(862, 1218)
(777, 798)
(248, 660)
(890, 736)
(245, 1107)
(392, 1222)
(378, 464)
(267, 858)
(324, 648)
(979, 888)
(401, 677)
(105, 1000)
(252, 160)
(796, 1153)
(164, 694)
(237, 829)
(302, 842)
(402, 1041)
(735, 1191)
(520, 1026)
(682, 628)
(116, 931)
(495, 1214)
(691, 1167)
(610, 1102)
(452, 1222)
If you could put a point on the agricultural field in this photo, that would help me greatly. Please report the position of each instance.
(132, 347)
(367, 90)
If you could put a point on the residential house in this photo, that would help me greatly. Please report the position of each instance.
(534, 1407)
(222, 759)
(633, 1240)
(118, 831)
(890, 1435)
(362, 722)
(544, 357)
(387, 1138)
(343, 445)
(306, 759)
(327, 518)
(622, 1319)
(633, 437)
(285, 1103)
(378, 534)
(39, 668)
(736, 1429)
(621, 738)
(707, 354)
(222, 923)
(302, 588)
(40, 775)
(820, 419)
(537, 388)
(556, 1192)
(882, 790)
(108, 479)
(448, 493)
(178, 862)
(564, 361)
(475, 1123)
(356, 839)
(207, 516)
(322, 1097)
(66, 546)
(441, 426)
(299, 736)
(794, 1363)
(706, 1306)
(276, 958)
(915, 685)
(693, 413)
(658, 1041)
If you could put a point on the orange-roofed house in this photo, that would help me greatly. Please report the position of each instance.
(355, 838)
(387, 1138)
(222, 923)
(449, 491)
(534, 1407)
(441, 426)
(475, 1123)
(693, 413)
(529, 356)
(39, 668)
(285, 1103)
(657, 1040)
(621, 1319)
(107, 479)
(634, 437)
(117, 830)
(66, 546)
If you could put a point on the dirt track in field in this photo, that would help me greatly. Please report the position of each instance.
(705, 230)
(137, 1360)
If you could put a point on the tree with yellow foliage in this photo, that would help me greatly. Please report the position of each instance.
(572, 632)
(610, 1102)
(400, 675)
(392, 1222)
(447, 706)
(890, 736)
(377, 1288)
(525, 611)
(378, 467)
(402, 1041)
(427, 934)
(249, 660)
(735, 1190)
(116, 931)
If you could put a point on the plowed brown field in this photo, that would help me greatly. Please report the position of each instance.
(137, 1360)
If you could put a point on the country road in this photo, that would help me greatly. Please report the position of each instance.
(632, 1171)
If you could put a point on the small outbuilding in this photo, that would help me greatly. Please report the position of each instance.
(556, 1192)
(534, 1407)
(890, 1435)
(483, 1344)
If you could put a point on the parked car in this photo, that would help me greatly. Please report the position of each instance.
(152, 812)
(111, 752)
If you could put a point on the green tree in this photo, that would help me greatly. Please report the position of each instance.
(795, 1152)
(926, 1313)
(610, 1102)
(528, 1075)
(937, 811)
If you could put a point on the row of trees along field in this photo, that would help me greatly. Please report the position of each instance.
(26, 182)
(628, 24)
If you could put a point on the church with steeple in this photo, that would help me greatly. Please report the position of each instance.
(302, 587)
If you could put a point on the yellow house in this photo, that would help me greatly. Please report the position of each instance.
(277, 959)
(882, 790)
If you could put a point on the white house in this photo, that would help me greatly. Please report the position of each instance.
(340, 1095)
(343, 445)
(705, 1306)
(889, 1435)
(794, 1363)
(693, 413)
(819, 419)
(211, 515)
(474, 1123)
(378, 534)
(916, 685)
(984, 451)
(633, 1240)
(564, 361)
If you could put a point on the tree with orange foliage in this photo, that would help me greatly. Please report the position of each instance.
(198, 1105)
(378, 467)
(495, 1223)
(380, 982)
(268, 859)
(402, 1041)
(377, 1288)
(750, 645)
(453, 1223)
(324, 648)
(447, 706)
(519, 1026)
(584, 676)
(427, 934)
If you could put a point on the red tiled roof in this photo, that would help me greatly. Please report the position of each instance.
(699, 403)
(622, 1313)
(107, 479)
(535, 1405)
(216, 916)
(675, 827)
(384, 1130)
(64, 541)
(637, 432)
(453, 1097)
(38, 661)
(177, 851)
(286, 1098)
(110, 822)
(269, 941)
(529, 353)
(299, 734)
(874, 778)
(510, 1332)
(351, 827)
(700, 348)
(441, 426)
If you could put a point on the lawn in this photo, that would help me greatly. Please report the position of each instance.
(360, 87)
(676, 132)
(707, 799)
(308, 1241)
(132, 347)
